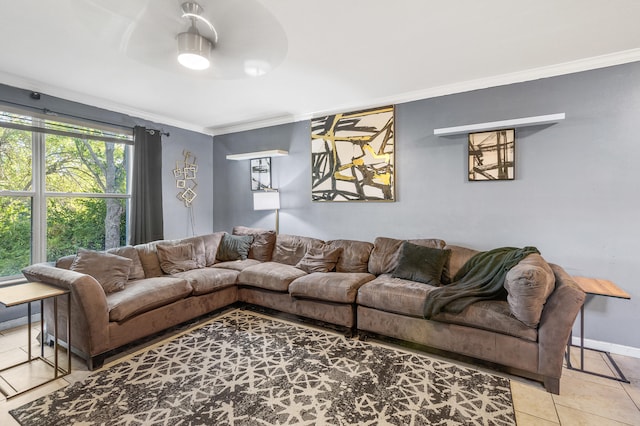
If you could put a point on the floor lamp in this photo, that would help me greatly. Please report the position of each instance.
(267, 200)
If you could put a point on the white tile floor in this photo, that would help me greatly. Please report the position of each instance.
(584, 399)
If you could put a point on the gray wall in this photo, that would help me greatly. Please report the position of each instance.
(576, 195)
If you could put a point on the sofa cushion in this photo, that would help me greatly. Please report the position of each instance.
(354, 257)
(339, 287)
(491, 315)
(459, 256)
(420, 263)
(320, 259)
(199, 251)
(176, 257)
(237, 265)
(384, 256)
(528, 285)
(263, 242)
(270, 275)
(211, 243)
(65, 262)
(234, 247)
(395, 295)
(149, 259)
(137, 271)
(207, 280)
(290, 249)
(144, 295)
(110, 270)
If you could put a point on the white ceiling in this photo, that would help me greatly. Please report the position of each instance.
(335, 54)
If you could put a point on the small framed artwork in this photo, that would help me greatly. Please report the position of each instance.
(492, 155)
(260, 173)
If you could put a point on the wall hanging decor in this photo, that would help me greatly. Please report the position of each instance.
(260, 173)
(185, 175)
(492, 155)
(352, 156)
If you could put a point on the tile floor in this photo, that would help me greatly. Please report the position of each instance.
(584, 399)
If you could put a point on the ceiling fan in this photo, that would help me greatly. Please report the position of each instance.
(238, 39)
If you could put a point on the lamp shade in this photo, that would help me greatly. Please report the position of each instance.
(268, 200)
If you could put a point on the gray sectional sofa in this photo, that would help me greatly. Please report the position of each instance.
(131, 292)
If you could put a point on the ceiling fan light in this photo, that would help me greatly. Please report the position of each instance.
(194, 51)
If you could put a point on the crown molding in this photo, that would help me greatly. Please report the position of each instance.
(70, 95)
(580, 65)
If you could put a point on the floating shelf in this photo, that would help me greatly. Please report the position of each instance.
(258, 154)
(504, 124)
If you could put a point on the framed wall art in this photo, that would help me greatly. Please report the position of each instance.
(260, 173)
(352, 156)
(492, 155)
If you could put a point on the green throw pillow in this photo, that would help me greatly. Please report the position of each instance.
(420, 263)
(234, 247)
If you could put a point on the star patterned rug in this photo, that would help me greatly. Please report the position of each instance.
(244, 368)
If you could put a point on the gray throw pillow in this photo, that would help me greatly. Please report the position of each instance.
(420, 263)
(321, 259)
(234, 247)
(110, 270)
(176, 257)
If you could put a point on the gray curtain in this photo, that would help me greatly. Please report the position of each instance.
(146, 192)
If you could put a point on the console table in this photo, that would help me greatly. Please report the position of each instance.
(596, 287)
(36, 292)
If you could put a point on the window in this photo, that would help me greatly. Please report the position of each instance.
(63, 185)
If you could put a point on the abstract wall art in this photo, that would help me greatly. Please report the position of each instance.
(260, 173)
(185, 175)
(492, 155)
(352, 156)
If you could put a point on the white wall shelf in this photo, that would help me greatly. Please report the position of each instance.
(258, 154)
(504, 124)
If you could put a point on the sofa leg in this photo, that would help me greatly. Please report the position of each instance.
(362, 336)
(552, 385)
(95, 362)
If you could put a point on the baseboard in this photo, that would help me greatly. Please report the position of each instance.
(607, 347)
(35, 318)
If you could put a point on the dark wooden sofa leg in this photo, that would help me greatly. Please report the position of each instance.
(95, 362)
(552, 385)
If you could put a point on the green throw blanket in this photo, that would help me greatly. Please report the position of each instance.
(481, 278)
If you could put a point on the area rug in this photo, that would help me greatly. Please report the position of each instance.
(243, 368)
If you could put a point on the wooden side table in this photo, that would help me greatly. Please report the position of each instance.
(33, 292)
(596, 287)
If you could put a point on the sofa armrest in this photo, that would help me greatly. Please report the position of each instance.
(559, 314)
(89, 310)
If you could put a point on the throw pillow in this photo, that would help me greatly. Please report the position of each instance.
(421, 263)
(321, 259)
(528, 285)
(110, 270)
(137, 271)
(263, 242)
(176, 257)
(234, 247)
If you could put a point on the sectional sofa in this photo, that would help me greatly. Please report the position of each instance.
(127, 293)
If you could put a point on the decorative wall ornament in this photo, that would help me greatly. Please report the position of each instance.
(260, 173)
(185, 175)
(352, 156)
(492, 155)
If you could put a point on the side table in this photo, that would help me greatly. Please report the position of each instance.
(33, 292)
(596, 287)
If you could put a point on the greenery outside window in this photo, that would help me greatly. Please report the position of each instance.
(63, 185)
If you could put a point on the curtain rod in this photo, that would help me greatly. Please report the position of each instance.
(47, 111)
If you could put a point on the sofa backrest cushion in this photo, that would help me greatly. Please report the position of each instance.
(149, 259)
(384, 256)
(263, 242)
(199, 251)
(528, 285)
(211, 244)
(354, 257)
(176, 258)
(290, 249)
(137, 271)
(110, 270)
(459, 256)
